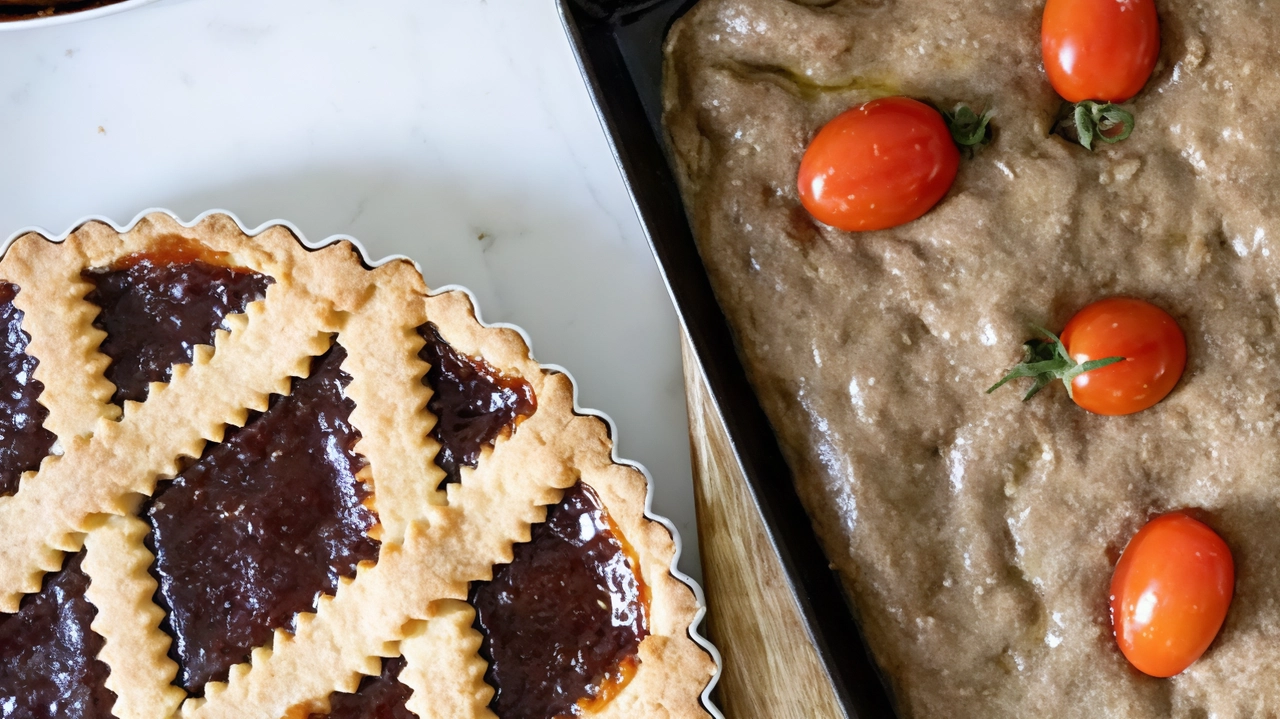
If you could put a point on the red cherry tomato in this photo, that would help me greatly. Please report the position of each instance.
(878, 165)
(1170, 594)
(1152, 344)
(1099, 49)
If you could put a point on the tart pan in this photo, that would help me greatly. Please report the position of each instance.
(619, 50)
(694, 634)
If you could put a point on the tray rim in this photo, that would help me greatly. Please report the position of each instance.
(840, 672)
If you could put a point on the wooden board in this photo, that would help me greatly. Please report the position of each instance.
(771, 670)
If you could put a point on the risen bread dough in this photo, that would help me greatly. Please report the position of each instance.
(976, 534)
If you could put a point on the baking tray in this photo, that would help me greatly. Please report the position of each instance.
(620, 55)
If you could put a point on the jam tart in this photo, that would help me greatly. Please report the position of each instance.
(244, 477)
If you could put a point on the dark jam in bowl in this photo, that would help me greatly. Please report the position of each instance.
(48, 654)
(473, 402)
(23, 439)
(13, 10)
(261, 526)
(156, 307)
(563, 622)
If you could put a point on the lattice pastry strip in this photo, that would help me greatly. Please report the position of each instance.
(434, 542)
(442, 666)
(386, 386)
(136, 650)
(59, 321)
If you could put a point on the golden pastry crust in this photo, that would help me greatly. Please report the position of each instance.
(442, 666)
(434, 542)
(673, 669)
(129, 621)
(382, 359)
(60, 323)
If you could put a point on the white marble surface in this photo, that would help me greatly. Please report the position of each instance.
(457, 132)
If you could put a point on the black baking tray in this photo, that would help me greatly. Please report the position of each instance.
(620, 54)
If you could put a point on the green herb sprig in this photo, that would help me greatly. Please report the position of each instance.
(1105, 122)
(1047, 360)
(969, 129)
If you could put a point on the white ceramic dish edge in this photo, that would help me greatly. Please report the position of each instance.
(694, 634)
(76, 16)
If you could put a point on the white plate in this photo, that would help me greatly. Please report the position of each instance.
(66, 17)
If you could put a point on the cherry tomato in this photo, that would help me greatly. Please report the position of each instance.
(1152, 344)
(878, 165)
(1170, 593)
(1099, 49)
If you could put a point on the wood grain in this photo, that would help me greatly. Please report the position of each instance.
(771, 670)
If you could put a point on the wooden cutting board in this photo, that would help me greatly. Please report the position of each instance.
(771, 670)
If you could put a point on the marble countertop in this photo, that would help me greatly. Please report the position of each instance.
(457, 132)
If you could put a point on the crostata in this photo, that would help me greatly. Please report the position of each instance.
(244, 477)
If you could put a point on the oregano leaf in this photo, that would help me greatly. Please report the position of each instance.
(969, 129)
(1102, 121)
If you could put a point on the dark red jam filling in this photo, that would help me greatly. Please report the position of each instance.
(563, 622)
(380, 697)
(262, 525)
(158, 306)
(48, 653)
(473, 402)
(23, 439)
